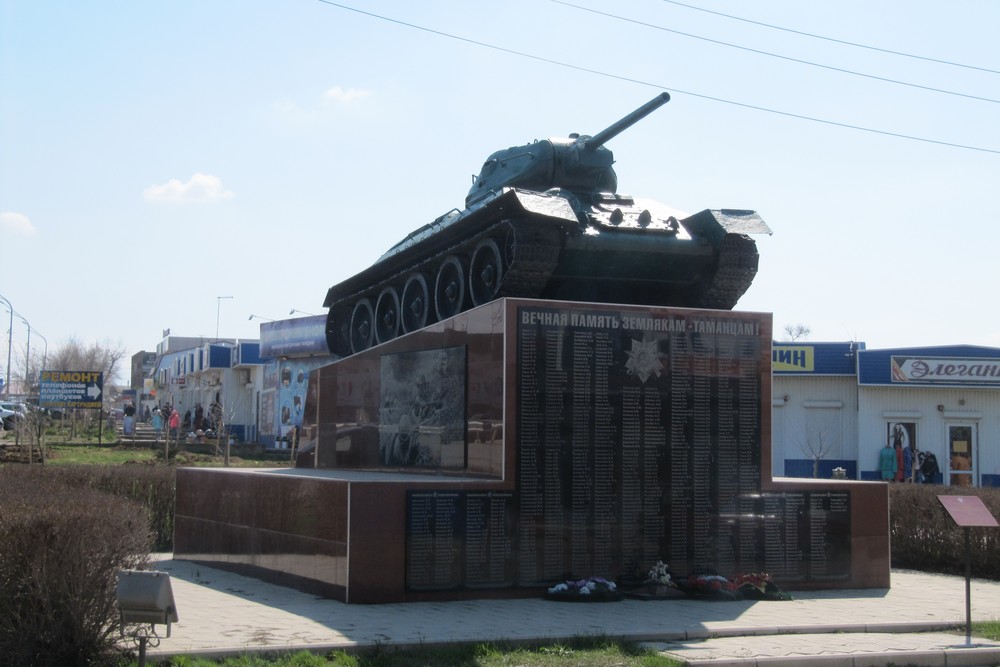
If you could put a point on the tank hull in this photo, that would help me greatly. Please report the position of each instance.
(601, 247)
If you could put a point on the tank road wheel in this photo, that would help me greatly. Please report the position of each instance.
(387, 315)
(509, 246)
(415, 304)
(338, 332)
(449, 289)
(362, 326)
(485, 272)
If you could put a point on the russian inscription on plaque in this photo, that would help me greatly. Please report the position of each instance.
(640, 440)
(459, 539)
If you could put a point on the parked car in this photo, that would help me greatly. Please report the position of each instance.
(9, 415)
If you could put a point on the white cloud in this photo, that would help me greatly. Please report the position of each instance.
(339, 95)
(319, 109)
(200, 188)
(16, 223)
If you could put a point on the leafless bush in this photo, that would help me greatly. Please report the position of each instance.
(152, 486)
(61, 547)
(924, 537)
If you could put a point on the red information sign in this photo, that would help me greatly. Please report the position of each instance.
(968, 511)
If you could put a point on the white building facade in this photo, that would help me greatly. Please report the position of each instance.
(226, 372)
(838, 405)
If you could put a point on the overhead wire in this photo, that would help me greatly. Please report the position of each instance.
(833, 39)
(658, 86)
(842, 70)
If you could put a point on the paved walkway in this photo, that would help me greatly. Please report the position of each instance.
(914, 622)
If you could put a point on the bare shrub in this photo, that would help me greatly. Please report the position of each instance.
(61, 547)
(924, 537)
(152, 486)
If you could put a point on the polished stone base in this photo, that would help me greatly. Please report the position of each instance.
(524, 443)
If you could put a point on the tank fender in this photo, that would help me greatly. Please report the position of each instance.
(556, 206)
(713, 224)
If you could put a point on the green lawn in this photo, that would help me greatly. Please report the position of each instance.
(585, 652)
(93, 455)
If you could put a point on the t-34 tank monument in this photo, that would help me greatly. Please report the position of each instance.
(549, 384)
(545, 220)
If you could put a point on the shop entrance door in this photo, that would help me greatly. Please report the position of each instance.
(961, 454)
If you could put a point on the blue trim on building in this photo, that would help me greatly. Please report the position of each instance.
(814, 358)
(875, 366)
(875, 476)
(220, 356)
(804, 468)
(990, 480)
(249, 353)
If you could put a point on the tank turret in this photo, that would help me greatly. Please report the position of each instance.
(545, 220)
(576, 163)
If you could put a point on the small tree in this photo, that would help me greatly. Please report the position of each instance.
(29, 432)
(816, 446)
(793, 332)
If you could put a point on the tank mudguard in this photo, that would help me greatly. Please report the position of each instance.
(714, 224)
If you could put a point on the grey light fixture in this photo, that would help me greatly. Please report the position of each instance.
(145, 598)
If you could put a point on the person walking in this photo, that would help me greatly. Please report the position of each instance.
(128, 421)
(157, 421)
(174, 424)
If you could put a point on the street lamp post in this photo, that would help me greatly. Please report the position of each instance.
(296, 310)
(10, 339)
(269, 319)
(45, 352)
(218, 312)
(27, 358)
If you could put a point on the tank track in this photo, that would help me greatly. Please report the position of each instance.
(536, 253)
(533, 251)
(530, 252)
(737, 267)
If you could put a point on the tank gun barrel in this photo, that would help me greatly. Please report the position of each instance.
(628, 121)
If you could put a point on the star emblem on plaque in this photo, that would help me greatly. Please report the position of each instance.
(643, 361)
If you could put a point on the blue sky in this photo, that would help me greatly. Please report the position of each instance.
(156, 156)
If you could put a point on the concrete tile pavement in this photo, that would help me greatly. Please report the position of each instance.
(224, 614)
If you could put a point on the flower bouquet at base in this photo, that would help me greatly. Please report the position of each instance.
(591, 589)
(659, 585)
(759, 586)
(709, 587)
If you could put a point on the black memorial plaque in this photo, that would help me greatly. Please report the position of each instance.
(640, 440)
(457, 539)
(489, 557)
(433, 540)
(805, 535)
(636, 431)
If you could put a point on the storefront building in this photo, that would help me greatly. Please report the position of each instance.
(291, 350)
(218, 376)
(839, 405)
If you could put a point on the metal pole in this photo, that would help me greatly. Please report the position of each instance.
(45, 354)
(968, 587)
(27, 355)
(10, 339)
(27, 375)
(218, 313)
